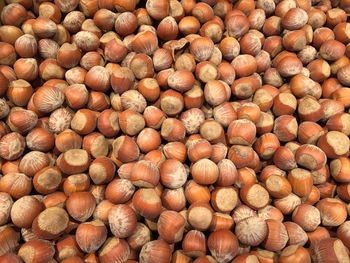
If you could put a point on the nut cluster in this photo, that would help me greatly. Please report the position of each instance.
(175, 131)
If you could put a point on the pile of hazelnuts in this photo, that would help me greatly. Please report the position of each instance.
(175, 131)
